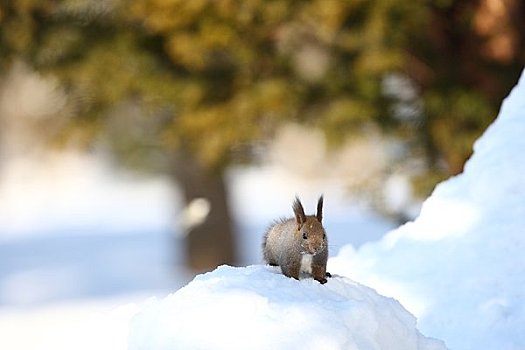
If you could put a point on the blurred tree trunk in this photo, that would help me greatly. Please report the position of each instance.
(212, 242)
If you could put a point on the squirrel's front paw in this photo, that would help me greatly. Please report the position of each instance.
(322, 280)
(328, 274)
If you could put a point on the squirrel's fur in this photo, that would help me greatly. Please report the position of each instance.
(298, 244)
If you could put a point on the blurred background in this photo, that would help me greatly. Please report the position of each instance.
(144, 141)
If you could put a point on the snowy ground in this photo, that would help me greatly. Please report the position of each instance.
(88, 324)
(256, 307)
(459, 266)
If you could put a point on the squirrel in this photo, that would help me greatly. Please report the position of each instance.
(298, 244)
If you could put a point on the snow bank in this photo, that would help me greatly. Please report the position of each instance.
(94, 324)
(256, 307)
(459, 266)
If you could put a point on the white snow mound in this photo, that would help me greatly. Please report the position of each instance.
(459, 266)
(256, 307)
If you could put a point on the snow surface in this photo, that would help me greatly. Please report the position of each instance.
(95, 324)
(256, 307)
(459, 266)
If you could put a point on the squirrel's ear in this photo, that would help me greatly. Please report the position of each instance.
(298, 210)
(319, 214)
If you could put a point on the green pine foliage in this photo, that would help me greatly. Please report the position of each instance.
(216, 78)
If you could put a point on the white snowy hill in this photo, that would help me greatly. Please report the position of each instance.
(257, 307)
(460, 266)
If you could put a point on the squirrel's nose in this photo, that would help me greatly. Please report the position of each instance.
(318, 249)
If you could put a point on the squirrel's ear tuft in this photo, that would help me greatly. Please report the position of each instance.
(319, 214)
(298, 210)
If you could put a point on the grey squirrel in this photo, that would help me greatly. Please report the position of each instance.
(298, 244)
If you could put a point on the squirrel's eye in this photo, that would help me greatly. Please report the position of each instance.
(304, 235)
